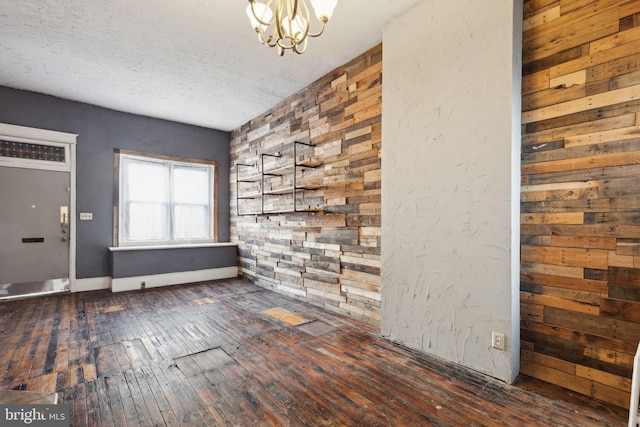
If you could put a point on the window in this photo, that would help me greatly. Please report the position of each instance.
(164, 200)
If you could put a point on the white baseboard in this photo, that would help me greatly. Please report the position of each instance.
(92, 284)
(158, 280)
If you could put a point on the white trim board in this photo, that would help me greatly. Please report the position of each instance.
(179, 246)
(42, 137)
(92, 284)
(158, 280)
(37, 135)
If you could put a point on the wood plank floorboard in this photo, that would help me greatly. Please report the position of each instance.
(210, 354)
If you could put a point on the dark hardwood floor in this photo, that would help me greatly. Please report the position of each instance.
(231, 353)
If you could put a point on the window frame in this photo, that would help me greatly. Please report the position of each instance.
(117, 205)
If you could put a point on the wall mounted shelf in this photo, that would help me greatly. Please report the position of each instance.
(246, 173)
(277, 177)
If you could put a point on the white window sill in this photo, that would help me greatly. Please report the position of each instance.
(182, 246)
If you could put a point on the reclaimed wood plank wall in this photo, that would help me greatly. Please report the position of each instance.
(330, 258)
(580, 275)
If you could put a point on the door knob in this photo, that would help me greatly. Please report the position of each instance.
(63, 239)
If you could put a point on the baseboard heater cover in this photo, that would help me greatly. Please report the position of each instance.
(169, 279)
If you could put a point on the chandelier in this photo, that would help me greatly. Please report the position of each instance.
(288, 21)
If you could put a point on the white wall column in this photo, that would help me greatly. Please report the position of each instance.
(450, 181)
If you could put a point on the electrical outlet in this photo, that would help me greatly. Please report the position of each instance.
(497, 340)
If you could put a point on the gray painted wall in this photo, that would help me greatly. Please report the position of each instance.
(450, 181)
(100, 132)
(144, 263)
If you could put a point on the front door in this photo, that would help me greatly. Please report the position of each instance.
(34, 226)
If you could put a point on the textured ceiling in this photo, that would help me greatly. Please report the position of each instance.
(192, 61)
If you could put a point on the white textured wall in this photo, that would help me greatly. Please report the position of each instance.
(450, 189)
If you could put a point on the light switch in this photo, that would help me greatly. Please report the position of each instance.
(86, 216)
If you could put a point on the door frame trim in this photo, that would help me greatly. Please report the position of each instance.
(9, 132)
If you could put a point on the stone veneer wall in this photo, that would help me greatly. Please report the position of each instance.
(329, 258)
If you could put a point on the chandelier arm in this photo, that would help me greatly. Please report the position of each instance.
(278, 19)
(271, 41)
(319, 33)
(291, 42)
(299, 50)
(255, 15)
(305, 12)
